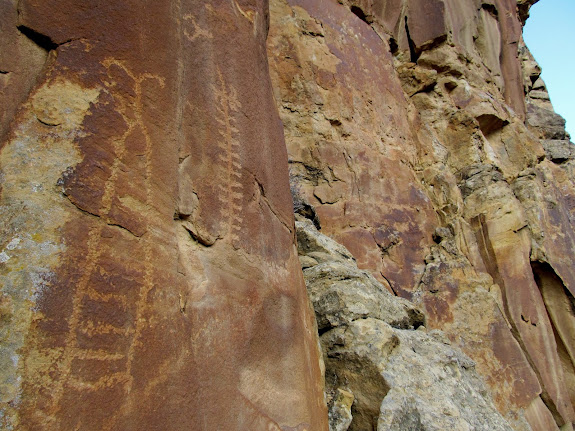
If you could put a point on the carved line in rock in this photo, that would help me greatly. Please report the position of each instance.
(259, 420)
(148, 284)
(250, 15)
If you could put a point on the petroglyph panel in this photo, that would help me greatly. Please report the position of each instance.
(148, 232)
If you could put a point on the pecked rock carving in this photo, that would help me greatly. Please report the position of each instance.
(145, 138)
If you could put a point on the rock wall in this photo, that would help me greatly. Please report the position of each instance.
(148, 266)
(149, 274)
(422, 135)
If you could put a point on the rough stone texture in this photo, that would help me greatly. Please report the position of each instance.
(434, 387)
(482, 31)
(340, 416)
(21, 61)
(340, 292)
(347, 127)
(450, 178)
(147, 261)
(523, 7)
(381, 373)
(558, 151)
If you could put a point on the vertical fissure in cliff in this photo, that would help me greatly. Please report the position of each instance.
(357, 11)
(560, 306)
(488, 256)
(556, 297)
(393, 46)
(413, 55)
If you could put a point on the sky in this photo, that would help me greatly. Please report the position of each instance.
(550, 36)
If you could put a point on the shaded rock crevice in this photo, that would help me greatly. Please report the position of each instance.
(39, 39)
(413, 55)
(560, 305)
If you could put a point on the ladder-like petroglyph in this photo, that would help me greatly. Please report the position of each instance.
(229, 166)
(107, 317)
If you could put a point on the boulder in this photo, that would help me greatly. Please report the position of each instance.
(384, 370)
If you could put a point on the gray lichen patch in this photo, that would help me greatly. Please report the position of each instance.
(33, 212)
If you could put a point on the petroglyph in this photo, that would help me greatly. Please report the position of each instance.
(83, 327)
(44, 151)
(137, 308)
(255, 418)
(198, 32)
(230, 167)
(249, 15)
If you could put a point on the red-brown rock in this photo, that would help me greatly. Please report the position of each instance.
(350, 139)
(150, 277)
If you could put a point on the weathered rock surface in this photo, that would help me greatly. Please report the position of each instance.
(450, 178)
(347, 126)
(381, 372)
(340, 292)
(147, 261)
(21, 61)
(148, 271)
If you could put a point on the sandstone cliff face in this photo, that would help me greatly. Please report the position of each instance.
(148, 267)
(147, 261)
(424, 138)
